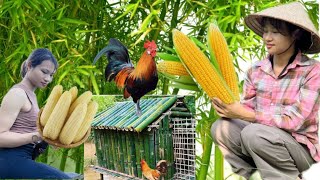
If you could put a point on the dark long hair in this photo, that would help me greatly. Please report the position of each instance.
(304, 39)
(36, 58)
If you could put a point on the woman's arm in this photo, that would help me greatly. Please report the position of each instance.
(243, 110)
(11, 105)
(292, 116)
(233, 111)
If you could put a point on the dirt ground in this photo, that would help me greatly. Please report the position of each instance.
(91, 159)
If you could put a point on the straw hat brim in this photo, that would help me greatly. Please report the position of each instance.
(293, 13)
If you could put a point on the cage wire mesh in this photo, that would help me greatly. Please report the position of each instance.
(184, 144)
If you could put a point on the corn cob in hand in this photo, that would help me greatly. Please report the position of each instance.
(201, 68)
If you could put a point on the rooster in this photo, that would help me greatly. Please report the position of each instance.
(136, 82)
(154, 174)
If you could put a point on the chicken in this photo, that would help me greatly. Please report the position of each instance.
(154, 174)
(137, 81)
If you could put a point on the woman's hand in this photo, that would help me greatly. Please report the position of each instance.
(232, 111)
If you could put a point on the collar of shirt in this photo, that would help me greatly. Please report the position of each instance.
(300, 60)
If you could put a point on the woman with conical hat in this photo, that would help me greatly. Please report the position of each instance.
(274, 129)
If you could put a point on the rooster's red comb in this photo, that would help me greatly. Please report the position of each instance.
(150, 45)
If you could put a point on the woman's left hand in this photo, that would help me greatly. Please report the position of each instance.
(232, 111)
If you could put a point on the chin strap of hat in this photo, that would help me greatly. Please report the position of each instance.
(312, 34)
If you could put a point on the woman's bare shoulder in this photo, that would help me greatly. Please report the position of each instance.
(15, 96)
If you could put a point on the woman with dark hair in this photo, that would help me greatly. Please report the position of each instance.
(18, 114)
(274, 129)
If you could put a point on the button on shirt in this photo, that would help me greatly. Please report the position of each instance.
(290, 101)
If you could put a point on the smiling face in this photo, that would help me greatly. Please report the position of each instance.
(41, 75)
(277, 40)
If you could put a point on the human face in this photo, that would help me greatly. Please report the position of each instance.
(41, 75)
(276, 42)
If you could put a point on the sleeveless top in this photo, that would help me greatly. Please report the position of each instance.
(26, 121)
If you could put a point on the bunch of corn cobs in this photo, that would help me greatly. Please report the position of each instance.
(66, 117)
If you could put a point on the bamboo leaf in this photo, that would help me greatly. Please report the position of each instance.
(168, 57)
(184, 86)
(73, 21)
(129, 7)
(198, 43)
(34, 39)
(156, 2)
(78, 81)
(94, 83)
(146, 22)
(82, 71)
(135, 9)
(63, 75)
(65, 63)
(86, 67)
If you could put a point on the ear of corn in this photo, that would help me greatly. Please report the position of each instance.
(173, 68)
(73, 124)
(51, 102)
(83, 98)
(201, 68)
(91, 112)
(218, 46)
(74, 93)
(57, 117)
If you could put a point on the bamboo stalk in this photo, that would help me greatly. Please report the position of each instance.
(145, 138)
(181, 114)
(80, 160)
(106, 145)
(120, 151)
(102, 141)
(157, 144)
(162, 106)
(128, 155)
(125, 153)
(171, 155)
(113, 154)
(152, 146)
(181, 109)
(166, 141)
(98, 120)
(133, 154)
(134, 117)
(117, 161)
(144, 105)
(138, 157)
(98, 145)
(122, 111)
(64, 159)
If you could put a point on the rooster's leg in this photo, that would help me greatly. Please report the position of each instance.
(138, 110)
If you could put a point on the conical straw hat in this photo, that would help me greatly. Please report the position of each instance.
(293, 13)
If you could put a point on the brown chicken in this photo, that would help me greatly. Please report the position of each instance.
(137, 81)
(154, 174)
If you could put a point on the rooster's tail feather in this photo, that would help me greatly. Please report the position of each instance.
(119, 75)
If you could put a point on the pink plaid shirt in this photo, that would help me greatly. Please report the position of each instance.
(290, 102)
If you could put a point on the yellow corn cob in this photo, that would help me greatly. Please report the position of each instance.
(57, 118)
(91, 112)
(73, 124)
(51, 102)
(74, 93)
(218, 45)
(173, 68)
(201, 68)
(83, 98)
